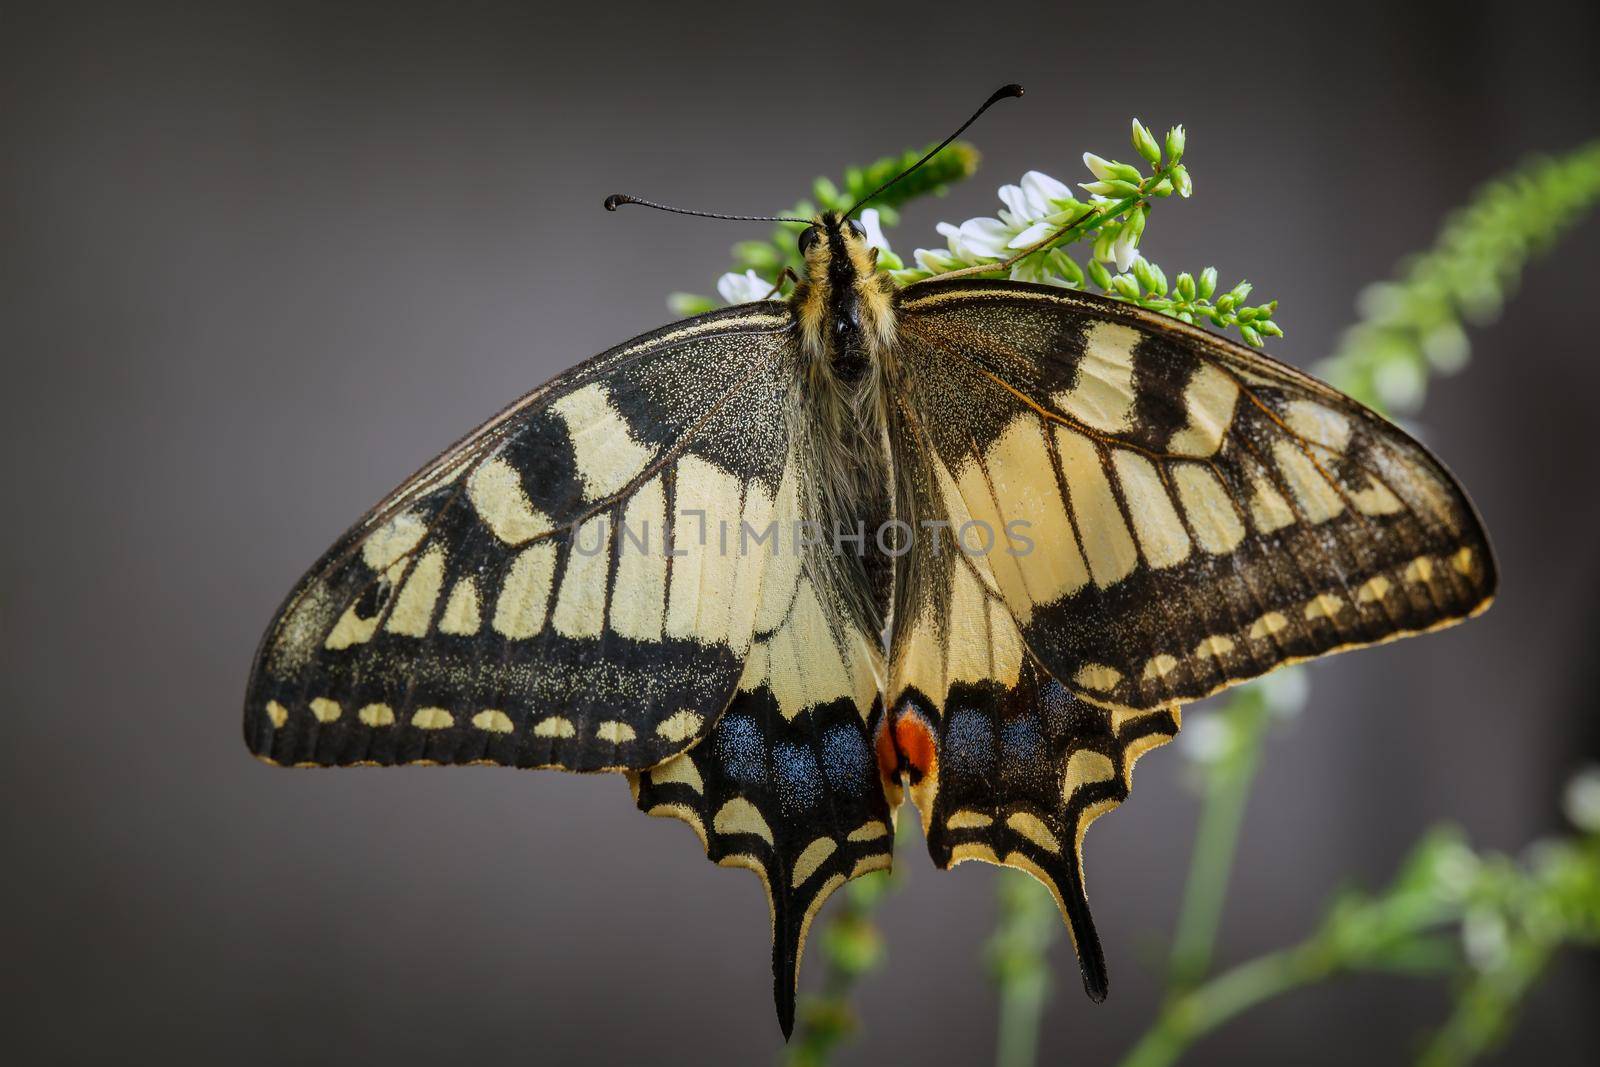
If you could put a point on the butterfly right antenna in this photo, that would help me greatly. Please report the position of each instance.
(998, 95)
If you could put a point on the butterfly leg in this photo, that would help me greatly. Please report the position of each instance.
(789, 276)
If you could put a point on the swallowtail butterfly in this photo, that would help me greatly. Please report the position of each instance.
(781, 564)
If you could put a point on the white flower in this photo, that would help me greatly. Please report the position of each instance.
(743, 288)
(1033, 209)
(1125, 249)
(986, 238)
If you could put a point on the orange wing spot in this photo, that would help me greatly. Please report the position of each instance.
(905, 745)
(915, 744)
(888, 758)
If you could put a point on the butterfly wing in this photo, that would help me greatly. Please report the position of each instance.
(550, 591)
(1200, 513)
(598, 579)
(1136, 514)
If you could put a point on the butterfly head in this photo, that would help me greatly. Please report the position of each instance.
(845, 306)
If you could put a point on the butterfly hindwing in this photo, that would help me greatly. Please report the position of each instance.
(795, 800)
(1022, 770)
(1198, 514)
(518, 601)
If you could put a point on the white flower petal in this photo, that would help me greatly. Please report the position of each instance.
(1015, 200)
(1125, 250)
(743, 288)
(985, 237)
(1033, 234)
(1044, 191)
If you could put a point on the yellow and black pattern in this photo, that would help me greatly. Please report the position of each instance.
(516, 602)
(671, 562)
(1199, 514)
(1021, 771)
(794, 799)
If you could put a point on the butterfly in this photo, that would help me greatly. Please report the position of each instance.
(782, 565)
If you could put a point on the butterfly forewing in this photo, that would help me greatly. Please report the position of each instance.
(551, 591)
(1198, 513)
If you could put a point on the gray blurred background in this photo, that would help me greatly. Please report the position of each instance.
(259, 262)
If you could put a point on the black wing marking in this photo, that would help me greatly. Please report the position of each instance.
(514, 602)
(795, 800)
(1021, 772)
(1200, 514)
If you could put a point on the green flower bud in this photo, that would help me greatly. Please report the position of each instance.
(1162, 188)
(825, 191)
(1114, 188)
(1160, 277)
(1268, 328)
(1226, 302)
(1182, 182)
(1136, 221)
(1126, 286)
(1239, 292)
(1109, 169)
(1186, 290)
(1175, 139)
(1146, 276)
(1066, 266)
(1099, 275)
(1208, 282)
(1145, 144)
(1250, 335)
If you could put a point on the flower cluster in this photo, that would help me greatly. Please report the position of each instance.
(1028, 238)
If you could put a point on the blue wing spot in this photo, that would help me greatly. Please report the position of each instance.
(1022, 751)
(969, 743)
(799, 779)
(741, 750)
(846, 761)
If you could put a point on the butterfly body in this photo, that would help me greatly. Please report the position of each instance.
(786, 563)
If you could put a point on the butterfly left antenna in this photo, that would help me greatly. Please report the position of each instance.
(616, 200)
(1005, 92)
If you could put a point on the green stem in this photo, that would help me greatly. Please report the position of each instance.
(1189, 1016)
(1021, 1011)
(1028, 925)
(1222, 808)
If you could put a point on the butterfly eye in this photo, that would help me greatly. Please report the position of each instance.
(808, 237)
(855, 229)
